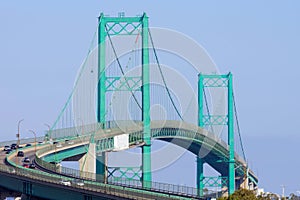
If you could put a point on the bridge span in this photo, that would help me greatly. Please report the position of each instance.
(56, 178)
(112, 98)
(44, 183)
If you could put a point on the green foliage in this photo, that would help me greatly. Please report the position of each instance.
(241, 194)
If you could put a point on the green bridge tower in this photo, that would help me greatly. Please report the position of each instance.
(215, 81)
(128, 26)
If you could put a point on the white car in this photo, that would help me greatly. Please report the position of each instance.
(64, 182)
(78, 182)
(59, 145)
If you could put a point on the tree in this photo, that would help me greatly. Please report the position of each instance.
(240, 194)
(294, 197)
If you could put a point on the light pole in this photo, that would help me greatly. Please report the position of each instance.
(82, 127)
(283, 187)
(34, 140)
(48, 135)
(18, 134)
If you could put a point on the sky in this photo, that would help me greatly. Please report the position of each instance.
(42, 45)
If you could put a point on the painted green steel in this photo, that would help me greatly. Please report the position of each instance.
(219, 152)
(215, 181)
(122, 28)
(200, 101)
(58, 156)
(101, 164)
(200, 177)
(124, 22)
(101, 70)
(128, 173)
(122, 19)
(212, 76)
(231, 176)
(209, 120)
(123, 83)
(215, 80)
(146, 149)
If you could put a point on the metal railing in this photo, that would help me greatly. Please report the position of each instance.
(163, 188)
(23, 140)
(90, 183)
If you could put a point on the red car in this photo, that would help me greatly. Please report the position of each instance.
(26, 165)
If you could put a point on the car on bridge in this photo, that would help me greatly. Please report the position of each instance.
(14, 146)
(65, 182)
(8, 151)
(26, 160)
(78, 182)
(20, 154)
(26, 165)
(6, 147)
(32, 166)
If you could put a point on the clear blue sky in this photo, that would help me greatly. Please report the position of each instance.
(42, 45)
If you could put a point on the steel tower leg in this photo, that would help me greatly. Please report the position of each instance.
(146, 151)
(101, 160)
(231, 173)
(200, 162)
(200, 176)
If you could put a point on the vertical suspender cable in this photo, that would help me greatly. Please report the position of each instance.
(163, 78)
(120, 66)
(238, 127)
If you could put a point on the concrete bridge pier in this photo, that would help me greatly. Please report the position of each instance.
(87, 163)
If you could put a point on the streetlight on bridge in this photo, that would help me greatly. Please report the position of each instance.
(18, 134)
(34, 140)
(48, 135)
(82, 127)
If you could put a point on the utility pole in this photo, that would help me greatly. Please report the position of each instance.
(283, 187)
(48, 135)
(34, 140)
(18, 134)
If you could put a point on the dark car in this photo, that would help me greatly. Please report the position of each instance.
(14, 146)
(28, 145)
(20, 154)
(26, 160)
(8, 151)
(32, 166)
(6, 147)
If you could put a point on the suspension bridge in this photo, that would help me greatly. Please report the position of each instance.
(124, 100)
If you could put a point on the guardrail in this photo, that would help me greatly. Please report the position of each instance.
(134, 137)
(23, 140)
(90, 184)
(87, 185)
(125, 182)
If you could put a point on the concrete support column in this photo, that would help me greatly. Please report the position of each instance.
(88, 162)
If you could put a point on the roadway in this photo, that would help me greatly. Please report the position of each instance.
(47, 183)
(186, 135)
